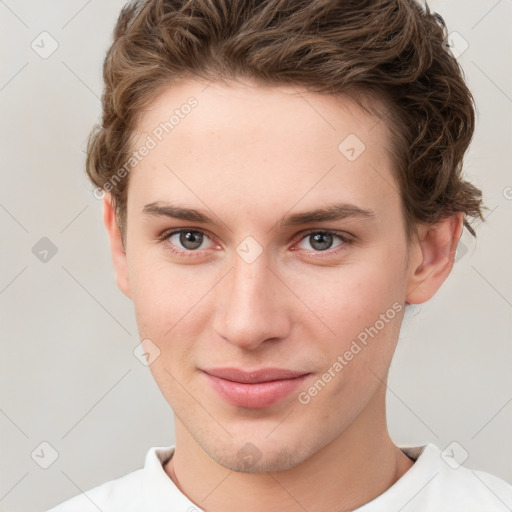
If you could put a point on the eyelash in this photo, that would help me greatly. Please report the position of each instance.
(192, 253)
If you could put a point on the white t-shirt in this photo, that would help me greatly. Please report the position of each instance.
(432, 484)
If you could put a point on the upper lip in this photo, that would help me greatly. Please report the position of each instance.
(254, 376)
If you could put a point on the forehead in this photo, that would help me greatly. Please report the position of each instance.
(259, 148)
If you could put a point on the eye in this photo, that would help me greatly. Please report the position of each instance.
(186, 240)
(322, 241)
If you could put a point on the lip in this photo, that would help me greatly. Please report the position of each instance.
(254, 389)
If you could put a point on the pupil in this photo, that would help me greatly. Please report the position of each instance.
(321, 237)
(190, 239)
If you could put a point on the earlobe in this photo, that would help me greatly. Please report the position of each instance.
(434, 257)
(116, 246)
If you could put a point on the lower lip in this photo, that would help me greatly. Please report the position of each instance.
(254, 396)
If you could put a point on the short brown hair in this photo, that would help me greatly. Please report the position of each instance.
(393, 50)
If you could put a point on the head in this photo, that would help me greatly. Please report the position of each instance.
(251, 114)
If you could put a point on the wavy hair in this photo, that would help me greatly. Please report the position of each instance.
(392, 50)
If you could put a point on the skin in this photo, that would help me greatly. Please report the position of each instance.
(248, 155)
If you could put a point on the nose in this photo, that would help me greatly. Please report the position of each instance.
(253, 305)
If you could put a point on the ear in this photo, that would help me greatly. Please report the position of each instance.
(432, 258)
(116, 246)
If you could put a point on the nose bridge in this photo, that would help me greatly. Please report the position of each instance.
(249, 291)
(248, 312)
(250, 278)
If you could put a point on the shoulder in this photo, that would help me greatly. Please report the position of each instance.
(462, 484)
(473, 489)
(438, 483)
(444, 484)
(139, 490)
(124, 491)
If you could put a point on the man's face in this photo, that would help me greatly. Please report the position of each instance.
(250, 292)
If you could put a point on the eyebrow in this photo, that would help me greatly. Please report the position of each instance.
(337, 211)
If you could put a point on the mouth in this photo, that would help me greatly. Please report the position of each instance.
(254, 389)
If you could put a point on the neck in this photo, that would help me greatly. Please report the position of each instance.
(355, 468)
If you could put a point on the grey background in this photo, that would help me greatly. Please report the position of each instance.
(68, 373)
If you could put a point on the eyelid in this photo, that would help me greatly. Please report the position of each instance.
(164, 236)
(342, 235)
(345, 237)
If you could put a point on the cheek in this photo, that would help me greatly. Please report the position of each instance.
(170, 306)
(164, 300)
(362, 304)
(158, 297)
(364, 310)
(347, 299)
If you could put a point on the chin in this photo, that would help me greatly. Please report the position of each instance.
(265, 455)
(260, 462)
